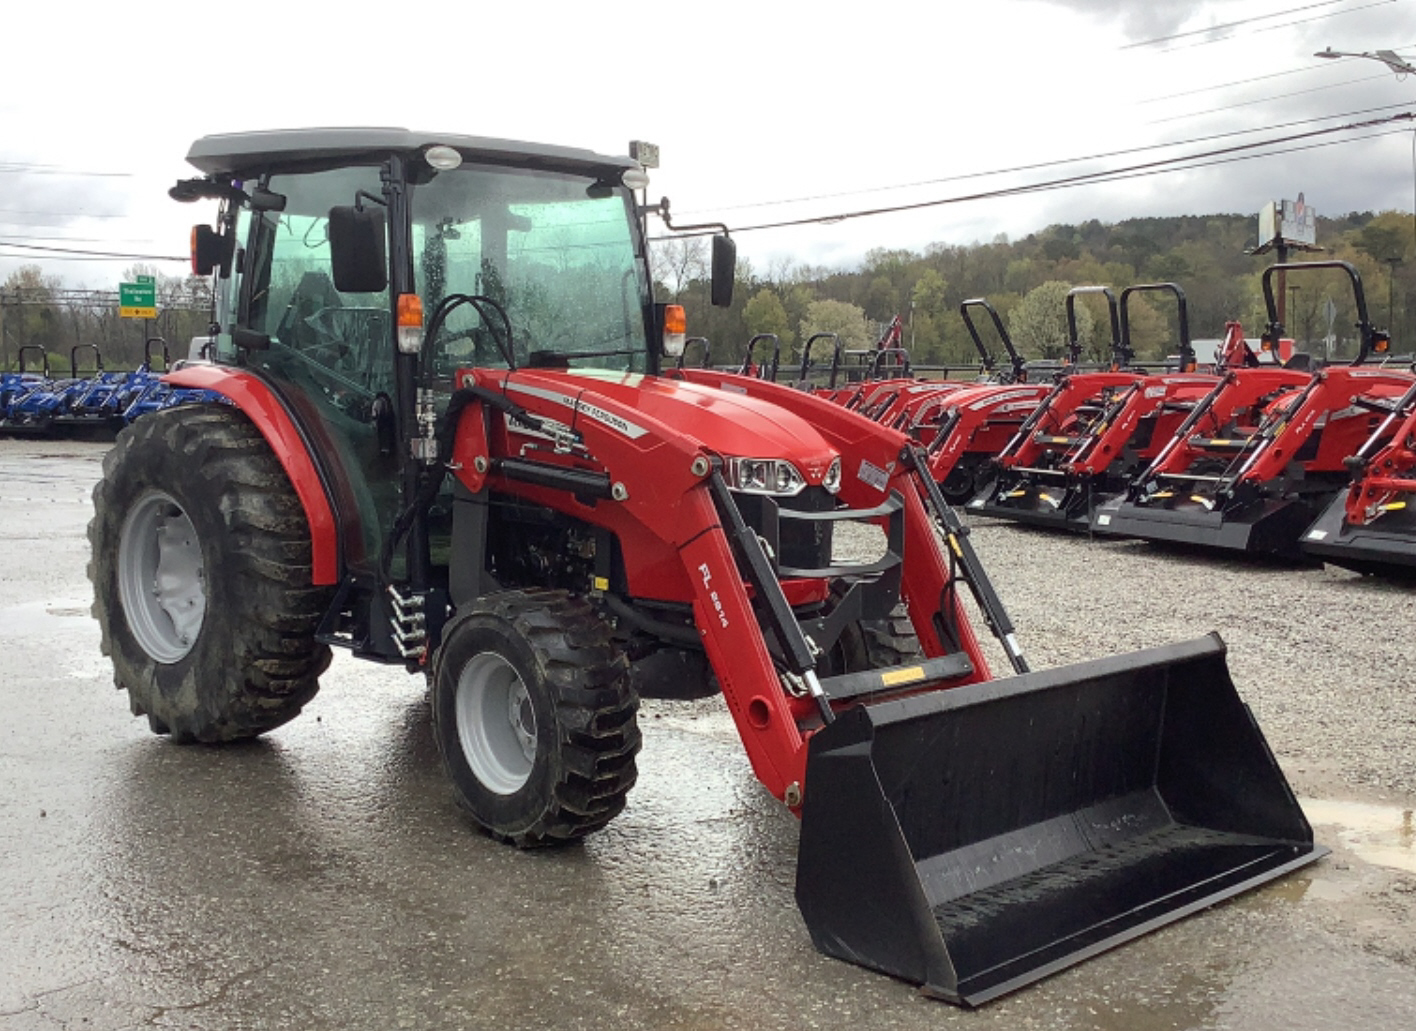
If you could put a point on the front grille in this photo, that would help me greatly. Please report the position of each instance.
(794, 543)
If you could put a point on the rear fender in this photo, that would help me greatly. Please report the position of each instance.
(261, 405)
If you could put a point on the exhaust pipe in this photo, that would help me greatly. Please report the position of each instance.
(977, 839)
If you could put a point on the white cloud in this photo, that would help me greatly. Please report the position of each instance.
(751, 103)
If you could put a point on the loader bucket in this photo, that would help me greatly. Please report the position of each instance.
(977, 839)
(1386, 547)
(1269, 526)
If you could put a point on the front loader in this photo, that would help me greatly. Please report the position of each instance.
(1094, 430)
(1370, 527)
(1257, 460)
(453, 442)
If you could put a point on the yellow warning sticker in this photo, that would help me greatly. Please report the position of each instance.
(896, 677)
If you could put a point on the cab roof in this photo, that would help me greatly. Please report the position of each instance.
(244, 154)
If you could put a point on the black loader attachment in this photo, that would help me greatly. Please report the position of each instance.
(975, 840)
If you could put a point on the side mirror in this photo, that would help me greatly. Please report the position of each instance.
(356, 250)
(724, 271)
(211, 251)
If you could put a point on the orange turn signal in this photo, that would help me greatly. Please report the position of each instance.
(410, 323)
(675, 330)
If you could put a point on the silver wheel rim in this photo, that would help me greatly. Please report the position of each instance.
(161, 579)
(496, 724)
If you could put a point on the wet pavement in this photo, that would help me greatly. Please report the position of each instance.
(323, 877)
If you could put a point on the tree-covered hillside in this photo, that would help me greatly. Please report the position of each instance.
(1205, 255)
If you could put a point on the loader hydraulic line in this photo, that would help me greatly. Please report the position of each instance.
(961, 551)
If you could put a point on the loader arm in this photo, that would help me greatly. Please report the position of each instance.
(658, 484)
(1332, 393)
(1152, 398)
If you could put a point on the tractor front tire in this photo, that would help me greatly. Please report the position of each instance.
(876, 644)
(201, 566)
(535, 717)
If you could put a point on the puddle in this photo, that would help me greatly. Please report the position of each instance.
(38, 616)
(1380, 834)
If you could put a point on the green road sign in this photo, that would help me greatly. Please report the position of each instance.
(138, 300)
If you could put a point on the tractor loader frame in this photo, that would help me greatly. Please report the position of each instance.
(1370, 527)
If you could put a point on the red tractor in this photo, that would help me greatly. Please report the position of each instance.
(1258, 460)
(1095, 430)
(1371, 526)
(961, 423)
(452, 445)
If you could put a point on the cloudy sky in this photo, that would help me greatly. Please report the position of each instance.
(767, 111)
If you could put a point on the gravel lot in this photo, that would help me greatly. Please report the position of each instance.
(1324, 657)
(322, 877)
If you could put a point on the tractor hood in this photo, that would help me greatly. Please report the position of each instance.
(729, 424)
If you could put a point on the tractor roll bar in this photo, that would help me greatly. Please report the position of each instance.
(770, 371)
(1074, 342)
(43, 358)
(1019, 373)
(806, 355)
(1370, 339)
(1125, 354)
(74, 358)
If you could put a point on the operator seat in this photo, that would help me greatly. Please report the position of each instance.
(314, 293)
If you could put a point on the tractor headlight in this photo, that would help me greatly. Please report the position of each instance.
(832, 480)
(765, 476)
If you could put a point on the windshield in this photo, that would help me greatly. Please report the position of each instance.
(555, 251)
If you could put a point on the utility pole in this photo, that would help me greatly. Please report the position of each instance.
(1392, 262)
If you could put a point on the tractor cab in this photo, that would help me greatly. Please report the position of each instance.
(360, 268)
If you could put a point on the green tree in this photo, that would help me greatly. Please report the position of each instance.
(33, 317)
(765, 313)
(1038, 324)
(929, 295)
(1386, 236)
(847, 321)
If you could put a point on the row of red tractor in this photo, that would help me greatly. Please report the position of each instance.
(1251, 454)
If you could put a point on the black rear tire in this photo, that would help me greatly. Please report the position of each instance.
(535, 717)
(201, 565)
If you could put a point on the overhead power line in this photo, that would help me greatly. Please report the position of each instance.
(1058, 162)
(1228, 25)
(1273, 28)
(90, 254)
(1266, 100)
(1181, 163)
(1305, 70)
